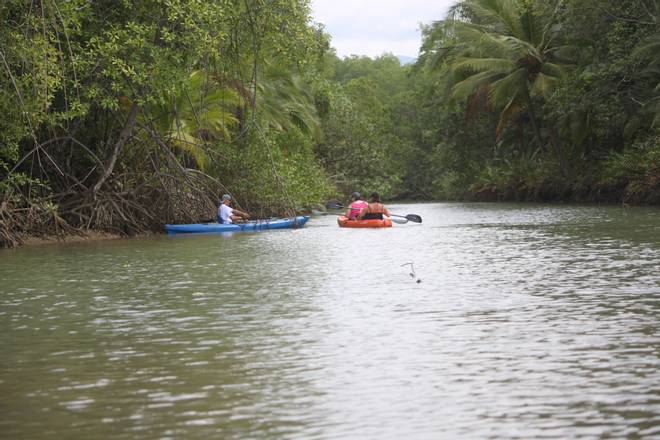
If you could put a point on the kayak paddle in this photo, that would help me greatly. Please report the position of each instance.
(412, 217)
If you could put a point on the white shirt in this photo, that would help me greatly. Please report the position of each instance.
(225, 213)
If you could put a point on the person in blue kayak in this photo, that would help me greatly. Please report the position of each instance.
(229, 215)
(375, 210)
(357, 205)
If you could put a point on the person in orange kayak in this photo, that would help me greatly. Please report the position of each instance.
(356, 206)
(375, 210)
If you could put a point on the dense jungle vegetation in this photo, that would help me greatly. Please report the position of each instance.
(124, 115)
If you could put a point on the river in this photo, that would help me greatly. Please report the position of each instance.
(522, 321)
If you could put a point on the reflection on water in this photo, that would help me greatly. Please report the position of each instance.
(529, 321)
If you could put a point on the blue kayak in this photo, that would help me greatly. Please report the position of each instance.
(257, 225)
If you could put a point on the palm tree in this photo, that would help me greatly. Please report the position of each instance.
(505, 50)
(284, 101)
(203, 112)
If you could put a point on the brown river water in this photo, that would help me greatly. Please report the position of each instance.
(514, 321)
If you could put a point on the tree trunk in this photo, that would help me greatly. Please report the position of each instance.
(557, 148)
(535, 125)
(124, 136)
(559, 151)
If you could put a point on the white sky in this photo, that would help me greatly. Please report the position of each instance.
(372, 27)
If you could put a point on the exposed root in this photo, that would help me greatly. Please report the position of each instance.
(145, 207)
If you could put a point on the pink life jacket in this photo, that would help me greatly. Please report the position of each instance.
(355, 208)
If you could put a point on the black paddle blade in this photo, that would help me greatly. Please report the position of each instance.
(414, 218)
(334, 205)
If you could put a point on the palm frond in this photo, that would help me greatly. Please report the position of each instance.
(469, 85)
(649, 49)
(284, 101)
(202, 110)
(478, 41)
(554, 70)
(543, 85)
(502, 14)
(510, 110)
(512, 85)
(520, 48)
(533, 27)
(497, 65)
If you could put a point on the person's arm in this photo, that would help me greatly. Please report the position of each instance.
(241, 213)
(362, 212)
(386, 212)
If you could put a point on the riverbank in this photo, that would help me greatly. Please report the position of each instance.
(644, 192)
(486, 197)
(87, 236)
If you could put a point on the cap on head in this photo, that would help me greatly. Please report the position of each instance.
(356, 196)
(226, 197)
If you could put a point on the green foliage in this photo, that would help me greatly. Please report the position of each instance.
(358, 149)
(371, 127)
(449, 185)
(648, 51)
(577, 79)
(285, 101)
(112, 110)
(201, 113)
(527, 177)
(507, 51)
(127, 111)
(276, 172)
(635, 170)
(12, 128)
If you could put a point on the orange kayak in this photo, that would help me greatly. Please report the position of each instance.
(344, 222)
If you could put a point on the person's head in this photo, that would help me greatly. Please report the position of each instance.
(356, 196)
(226, 199)
(375, 197)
